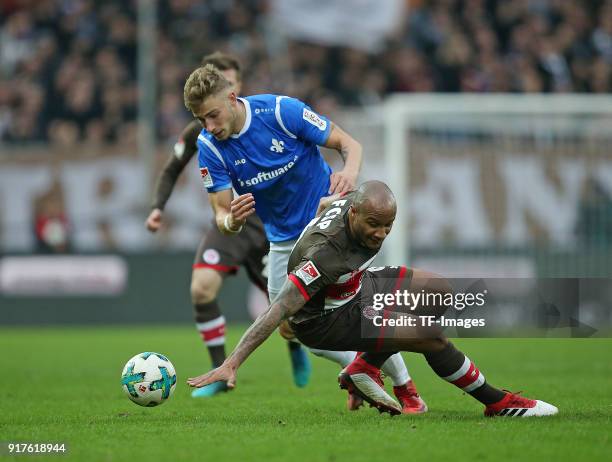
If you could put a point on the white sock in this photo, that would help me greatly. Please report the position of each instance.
(395, 368)
(343, 358)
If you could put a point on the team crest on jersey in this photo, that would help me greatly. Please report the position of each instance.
(314, 119)
(369, 312)
(308, 273)
(277, 146)
(211, 256)
(206, 178)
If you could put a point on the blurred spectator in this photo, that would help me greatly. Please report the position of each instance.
(68, 67)
(51, 227)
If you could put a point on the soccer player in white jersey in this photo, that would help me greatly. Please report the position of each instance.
(266, 148)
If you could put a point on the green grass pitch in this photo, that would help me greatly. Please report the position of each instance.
(63, 385)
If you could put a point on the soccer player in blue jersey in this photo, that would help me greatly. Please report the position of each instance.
(266, 148)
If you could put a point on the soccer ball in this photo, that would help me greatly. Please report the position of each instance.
(148, 379)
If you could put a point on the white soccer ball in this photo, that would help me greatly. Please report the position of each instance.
(148, 379)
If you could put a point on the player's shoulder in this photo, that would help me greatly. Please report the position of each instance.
(269, 100)
(319, 242)
(205, 139)
(262, 105)
(261, 99)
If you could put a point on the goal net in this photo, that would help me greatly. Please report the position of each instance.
(504, 185)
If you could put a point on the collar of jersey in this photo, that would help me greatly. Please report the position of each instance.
(247, 120)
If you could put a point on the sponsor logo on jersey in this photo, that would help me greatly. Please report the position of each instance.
(267, 176)
(308, 273)
(179, 149)
(277, 146)
(206, 178)
(211, 256)
(264, 110)
(314, 119)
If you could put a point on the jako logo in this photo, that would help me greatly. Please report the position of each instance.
(267, 176)
(277, 146)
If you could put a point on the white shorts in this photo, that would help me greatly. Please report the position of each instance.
(278, 258)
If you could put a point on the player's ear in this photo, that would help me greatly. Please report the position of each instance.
(232, 97)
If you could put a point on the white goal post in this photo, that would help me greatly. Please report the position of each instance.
(535, 123)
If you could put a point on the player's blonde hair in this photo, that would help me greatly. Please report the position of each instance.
(205, 81)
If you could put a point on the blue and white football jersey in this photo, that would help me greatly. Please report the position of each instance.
(276, 158)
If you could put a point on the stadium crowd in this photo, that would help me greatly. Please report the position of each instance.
(68, 67)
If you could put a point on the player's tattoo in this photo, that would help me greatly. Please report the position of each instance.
(288, 302)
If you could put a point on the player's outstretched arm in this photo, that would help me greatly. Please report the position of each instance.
(231, 213)
(288, 302)
(184, 150)
(352, 153)
(163, 189)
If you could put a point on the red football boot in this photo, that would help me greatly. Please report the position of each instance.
(363, 380)
(409, 398)
(514, 405)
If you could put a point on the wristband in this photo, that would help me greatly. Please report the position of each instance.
(227, 226)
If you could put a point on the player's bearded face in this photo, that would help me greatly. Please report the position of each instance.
(371, 227)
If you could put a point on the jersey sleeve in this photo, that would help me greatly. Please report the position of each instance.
(300, 120)
(215, 175)
(315, 271)
(184, 150)
(187, 144)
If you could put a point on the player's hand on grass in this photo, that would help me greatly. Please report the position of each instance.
(224, 373)
(240, 208)
(153, 222)
(342, 181)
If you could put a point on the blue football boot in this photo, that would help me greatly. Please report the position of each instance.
(209, 390)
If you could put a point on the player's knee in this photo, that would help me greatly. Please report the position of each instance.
(204, 288)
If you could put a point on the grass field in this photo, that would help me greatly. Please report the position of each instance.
(62, 385)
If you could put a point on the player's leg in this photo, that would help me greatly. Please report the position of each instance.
(343, 358)
(444, 359)
(404, 387)
(211, 264)
(395, 368)
(456, 368)
(205, 285)
(277, 273)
